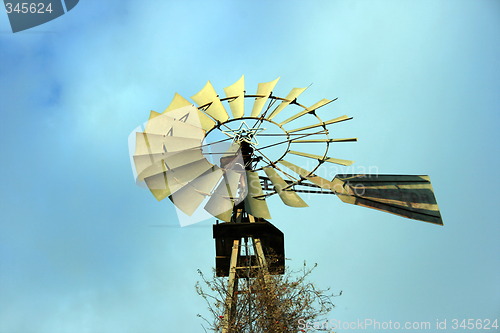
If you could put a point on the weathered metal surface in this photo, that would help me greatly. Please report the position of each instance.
(271, 240)
(405, 195)
(232, 286)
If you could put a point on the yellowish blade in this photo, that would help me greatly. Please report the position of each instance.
(147, 145)
(179, 102)
(254, 206)
(264, 90)
(237, 91)
(325, 140)
(289, 198)
(292, 95)
(208, 96)
(405, 195)
(178, 144)
(321, 182)
(332, 121)
(152, 115)
(159, 186)
(326, 159)
(188, 198)
(148, 165)
(177, 160)
(168, 182)
(165, 125)
(158, 144)
(224, 198)
(308, 110)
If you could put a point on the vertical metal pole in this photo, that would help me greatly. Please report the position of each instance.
(232, 287)
(260, 254)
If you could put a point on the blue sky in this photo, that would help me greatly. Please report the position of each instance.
(78, 252)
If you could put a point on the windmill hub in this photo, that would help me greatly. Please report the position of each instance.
(256, 134)
(244, 134)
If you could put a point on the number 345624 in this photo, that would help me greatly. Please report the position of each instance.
(28, 7)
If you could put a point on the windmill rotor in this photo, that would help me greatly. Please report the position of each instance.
(178, 155)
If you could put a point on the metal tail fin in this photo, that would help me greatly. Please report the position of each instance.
(405, 195)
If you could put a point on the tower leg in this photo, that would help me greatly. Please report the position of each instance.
(250, 263)
(260, 254)
(232, 287)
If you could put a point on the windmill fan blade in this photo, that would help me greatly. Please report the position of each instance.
(145, 146)
(177, 102)
(157, 144)
(326, 159)
(405, 195)
(182, 109)
(177, 143)
(188, 198)
(225, 196)
(254, 206)
(165, 125)
(148, 165)
(289, 98)
(153, 114)
(168, 182)
(263, 91)
(321, 182)
(237, 93)
(207, 96)
(289, 197)
(328, 122)
(310, 109)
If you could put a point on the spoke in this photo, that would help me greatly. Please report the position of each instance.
(229, 153)
(277, 167)
(212, 143)
(288, 140)
(286, 134)
(229, 128)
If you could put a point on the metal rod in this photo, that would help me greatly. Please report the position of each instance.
(231, 288)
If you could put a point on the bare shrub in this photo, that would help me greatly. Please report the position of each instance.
(265, 303)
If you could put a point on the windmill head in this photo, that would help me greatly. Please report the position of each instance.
(210, 163)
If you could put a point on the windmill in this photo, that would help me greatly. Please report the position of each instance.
(202, 157)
